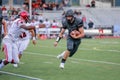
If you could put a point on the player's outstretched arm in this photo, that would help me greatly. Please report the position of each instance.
(32, 27)
(59, 37)
(33, 36)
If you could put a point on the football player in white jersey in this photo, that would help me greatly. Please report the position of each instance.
(23, 42)
(14, 34)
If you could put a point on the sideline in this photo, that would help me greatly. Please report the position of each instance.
(19, 75)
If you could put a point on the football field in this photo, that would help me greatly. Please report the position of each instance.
(96, 59)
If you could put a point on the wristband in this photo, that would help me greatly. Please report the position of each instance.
(58, 39)
(33, 38)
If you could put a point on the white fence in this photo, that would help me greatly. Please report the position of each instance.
(88, 32)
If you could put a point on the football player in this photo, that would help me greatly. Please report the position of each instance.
(71, 23)
(14, 34)
(23, 42)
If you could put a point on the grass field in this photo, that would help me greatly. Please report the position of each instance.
(96, 59)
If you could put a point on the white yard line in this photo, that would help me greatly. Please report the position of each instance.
(100, 50)
(103, 62)
(19, 75)
(118, 51)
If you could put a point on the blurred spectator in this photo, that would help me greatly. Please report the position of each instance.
(79, 15)
(41, 6)
(25, 6)
(49, 6)
(54, 6)
(14, 14)
(35, 15)
(88, 5)
(44, 6)
(9, 11)
(18, 10)
(43, 1)
(66, 3)
(75, 13)
(34, 22)
(4, 13)
(93, 3)
(84, 22)
(60, 7)
(4, 8)
(47, 26)
(40, 18)
(54, 24)
(90, 24)
(101, 32)
(26, 3)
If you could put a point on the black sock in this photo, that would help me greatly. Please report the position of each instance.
(63, 60)
(0, 61)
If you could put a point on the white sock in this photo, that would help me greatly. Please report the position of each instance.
(62, 54)
(2, 65)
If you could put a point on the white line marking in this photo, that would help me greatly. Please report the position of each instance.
(19, 75)
(75, 58)
(85, 49)
(109, 42)
(100, 50)
(48, 62)
(97, 61)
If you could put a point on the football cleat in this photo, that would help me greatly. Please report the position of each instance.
(15, 65)
(62, 65)
(1, 64)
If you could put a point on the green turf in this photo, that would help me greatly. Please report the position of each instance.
(96, 59)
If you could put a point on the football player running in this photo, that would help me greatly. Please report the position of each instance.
(74, 25)
(14, 34)
(23, 42)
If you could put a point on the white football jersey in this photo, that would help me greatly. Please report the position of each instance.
(25, 32)
(15, 31)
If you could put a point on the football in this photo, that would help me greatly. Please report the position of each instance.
(72, 33)
(75, 33)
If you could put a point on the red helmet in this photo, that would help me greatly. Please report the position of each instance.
(24, 15)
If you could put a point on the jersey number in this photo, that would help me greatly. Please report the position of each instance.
(22, 35)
